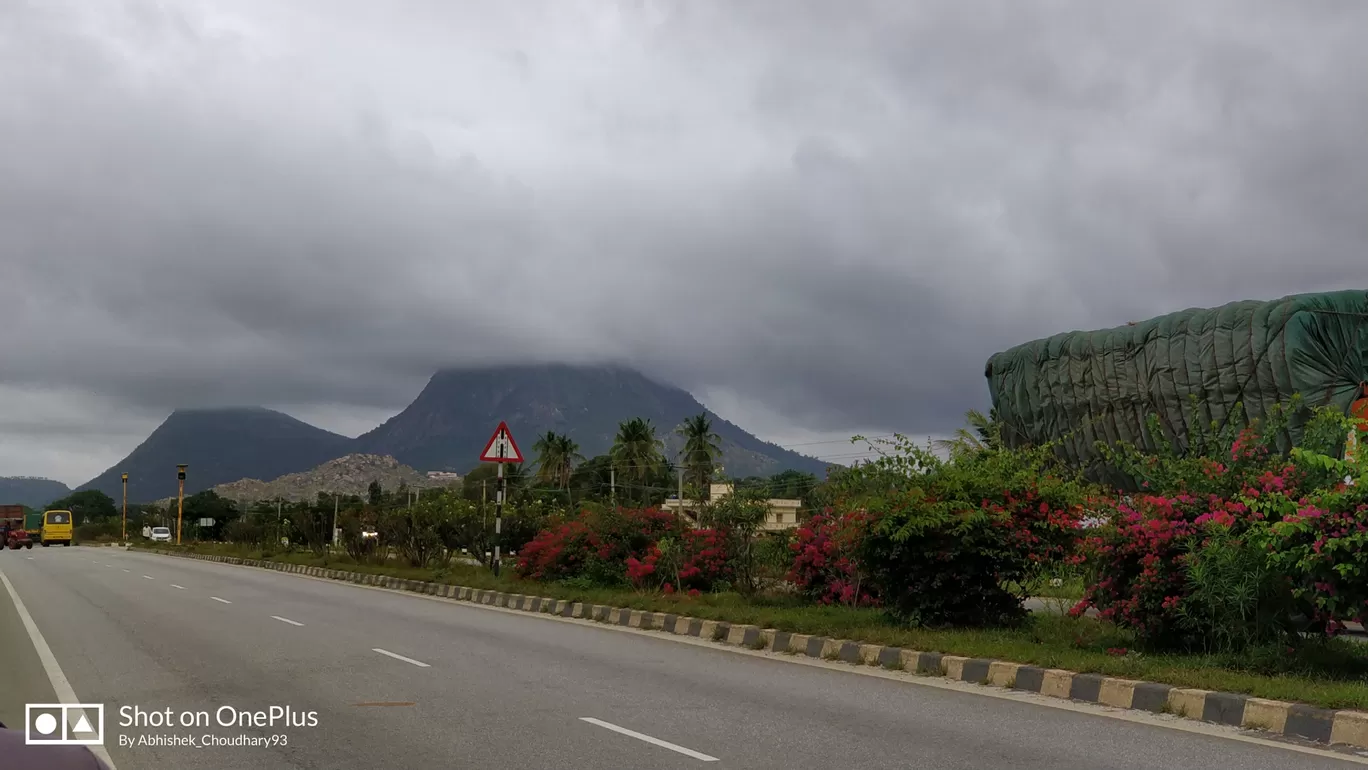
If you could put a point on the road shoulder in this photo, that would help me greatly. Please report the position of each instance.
(25, 681)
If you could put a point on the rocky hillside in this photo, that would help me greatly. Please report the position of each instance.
(350, 475)
(450, 421)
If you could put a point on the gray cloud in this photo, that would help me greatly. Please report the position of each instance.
(839, 210)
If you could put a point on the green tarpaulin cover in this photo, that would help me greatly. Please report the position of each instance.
(1085, 387)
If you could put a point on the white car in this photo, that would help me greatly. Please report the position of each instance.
(161, 534)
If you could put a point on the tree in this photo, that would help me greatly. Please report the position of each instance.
(702, 447)
(86, 505)
(982, 434)
(557, 455)
(637, 451)
(209, 505)
(742, 515)
(480, 483)
(592, 479)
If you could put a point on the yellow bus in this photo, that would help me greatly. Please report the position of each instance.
(56, 528)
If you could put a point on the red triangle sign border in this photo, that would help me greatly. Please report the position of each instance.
(487, 455)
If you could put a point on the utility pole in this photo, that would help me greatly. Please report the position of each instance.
(680, 509)
(612, 484)
(278, 515)
(125, 507)
(180, 499)
(333, 536)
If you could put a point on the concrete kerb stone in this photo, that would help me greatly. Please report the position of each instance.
(1350, 727)
(1324, 726)
(1003, 674)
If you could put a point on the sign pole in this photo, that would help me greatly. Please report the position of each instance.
(498, 511)
(125, 507)
(500, 449)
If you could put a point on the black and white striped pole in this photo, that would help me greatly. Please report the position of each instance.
(498, 510)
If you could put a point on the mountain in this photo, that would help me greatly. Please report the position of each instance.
(350, 475)
(451, 420)
(31, 491)
(443, 429)
(219, 445)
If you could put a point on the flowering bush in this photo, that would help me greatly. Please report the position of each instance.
(1235, 545)
(706, 562)
(826, 559)
(1323, 549)
(556, 553)
(696, 560)
(1139, 565)
(597, 546)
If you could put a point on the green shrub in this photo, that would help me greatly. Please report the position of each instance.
(955, 540)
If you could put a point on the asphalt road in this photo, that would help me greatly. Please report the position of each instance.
(459, 686)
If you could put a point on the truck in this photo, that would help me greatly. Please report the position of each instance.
(33, 524)
(1189, 369)
(12, 532)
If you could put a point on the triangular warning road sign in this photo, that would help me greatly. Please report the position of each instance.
(501, 447)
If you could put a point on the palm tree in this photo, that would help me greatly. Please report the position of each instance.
(702, 447)
(557, 454)
(981, 435)
(637, 450)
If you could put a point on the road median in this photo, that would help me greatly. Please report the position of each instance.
(1285, 718)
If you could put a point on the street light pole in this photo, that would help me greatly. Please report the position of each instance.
(180, 499)
(125, 507)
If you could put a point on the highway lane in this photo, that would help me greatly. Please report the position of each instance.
(496, 689)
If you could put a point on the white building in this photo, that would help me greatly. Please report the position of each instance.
(783, 514)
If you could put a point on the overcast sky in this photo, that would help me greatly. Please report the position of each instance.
(820, 217)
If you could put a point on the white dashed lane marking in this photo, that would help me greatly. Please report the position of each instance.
(400, 657)
(225, 601)
(653, 741)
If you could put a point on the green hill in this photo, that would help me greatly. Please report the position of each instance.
(31, 491)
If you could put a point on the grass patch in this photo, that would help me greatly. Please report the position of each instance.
(1330, 675)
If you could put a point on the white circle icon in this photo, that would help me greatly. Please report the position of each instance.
(45, 724)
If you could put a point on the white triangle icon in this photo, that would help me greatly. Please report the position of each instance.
(83, 725)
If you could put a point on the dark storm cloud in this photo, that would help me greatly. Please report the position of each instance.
(838, 209)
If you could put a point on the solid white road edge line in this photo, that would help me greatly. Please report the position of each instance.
(650, 740)
(400, 657)
(225, 601)
(287, 620)
(173, 585)
(60, 685)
